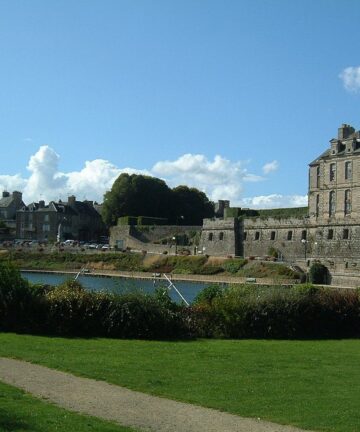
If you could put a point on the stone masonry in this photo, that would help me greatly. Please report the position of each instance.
(330, 233)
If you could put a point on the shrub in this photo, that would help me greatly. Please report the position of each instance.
(208, 294)
(318, 274)
(234, 265)
(20, 305)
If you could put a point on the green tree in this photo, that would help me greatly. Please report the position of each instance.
(191, 206)
(137, 195)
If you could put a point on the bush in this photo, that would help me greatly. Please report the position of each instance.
(299, 312)
(318, 274)
(20, 305)
(70, 310)
(208, 294)
(234, 265)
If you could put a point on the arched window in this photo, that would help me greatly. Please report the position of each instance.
(347, 203)
(332, 203)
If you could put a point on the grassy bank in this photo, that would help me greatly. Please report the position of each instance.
(21, 412)
(314, 385)
(198, 265)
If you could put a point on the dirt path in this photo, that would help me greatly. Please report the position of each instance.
(123, 406)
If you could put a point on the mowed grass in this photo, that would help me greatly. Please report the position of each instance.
(21, 412)
(310, 384)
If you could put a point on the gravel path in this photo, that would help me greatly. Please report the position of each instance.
(126, 407)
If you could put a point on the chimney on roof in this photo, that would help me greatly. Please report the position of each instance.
(5, 194)
(71, 200)
(345, 131)
(41, 204)
(17, 196)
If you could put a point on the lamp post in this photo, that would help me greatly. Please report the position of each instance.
(59, 233)
(174, 238)
(305, 242)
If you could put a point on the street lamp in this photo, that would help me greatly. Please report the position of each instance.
(59, 233)
(305, 242)
(174, 238)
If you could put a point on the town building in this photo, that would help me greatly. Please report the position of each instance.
(78, 220)
(9, 204)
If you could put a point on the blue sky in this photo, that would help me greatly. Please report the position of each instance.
(233, 97)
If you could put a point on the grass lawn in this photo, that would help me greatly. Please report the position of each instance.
(310, 384)
(20, 412)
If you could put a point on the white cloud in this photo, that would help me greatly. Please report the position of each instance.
(219, 178)
(12, 183)
(350, 77)
(270, 167)
(48, 183)
(275, 201)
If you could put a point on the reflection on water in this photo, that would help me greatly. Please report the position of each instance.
(120, 285)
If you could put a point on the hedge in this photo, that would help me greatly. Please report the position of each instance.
(242, 311)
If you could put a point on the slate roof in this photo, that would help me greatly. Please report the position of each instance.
(5, 202)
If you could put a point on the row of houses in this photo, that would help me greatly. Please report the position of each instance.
(62, 220)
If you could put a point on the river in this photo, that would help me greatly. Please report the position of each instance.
(120, 285)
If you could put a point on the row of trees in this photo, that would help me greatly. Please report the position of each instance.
(139, 195)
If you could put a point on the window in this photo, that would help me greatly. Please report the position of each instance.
(348, 170)
(257, 235)
(332, 171)
(221, 236)
(46, 227)
(317, 210)
(345, 234)
(303, 235)
(211, 236)
(347, 202)
(330, 235)
(272, 235)
(289, 235)
(245, 235)
(46, 218)
(318, 176)
(332, 203)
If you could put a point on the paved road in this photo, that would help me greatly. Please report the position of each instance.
(123, 406)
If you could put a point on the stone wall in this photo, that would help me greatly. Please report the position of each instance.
(221, 237)
(157, 239)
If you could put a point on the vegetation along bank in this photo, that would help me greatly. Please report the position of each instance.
(239, 311)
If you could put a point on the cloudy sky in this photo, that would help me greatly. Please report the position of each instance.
(232, 97)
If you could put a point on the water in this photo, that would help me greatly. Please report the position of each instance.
(120, 285)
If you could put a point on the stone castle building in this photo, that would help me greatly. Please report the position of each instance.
(329, 232)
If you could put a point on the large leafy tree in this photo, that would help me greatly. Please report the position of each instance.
(138, 195)
(191, 205)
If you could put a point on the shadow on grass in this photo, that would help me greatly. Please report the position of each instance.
(10, 424)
